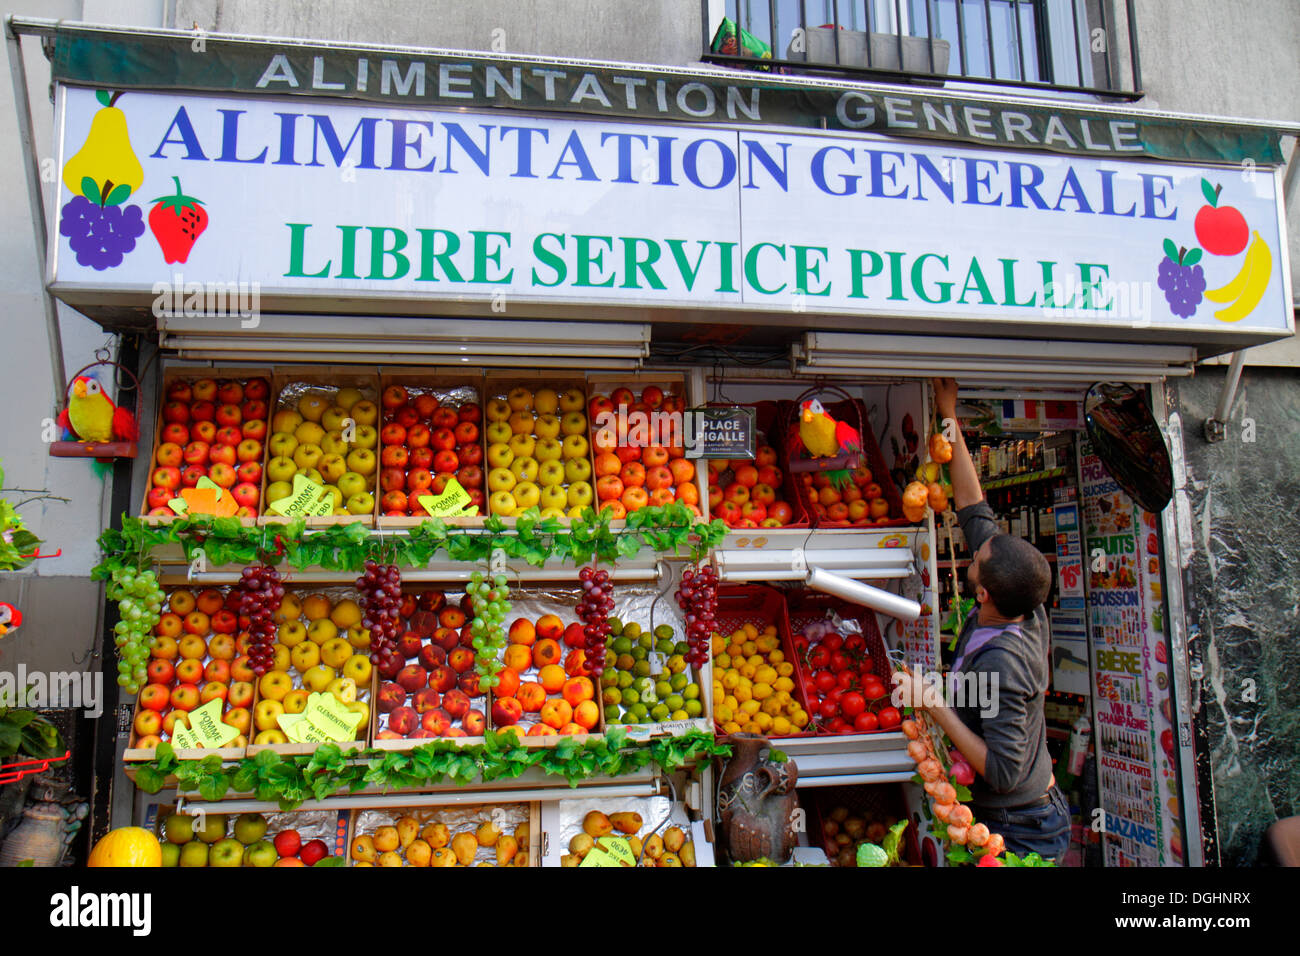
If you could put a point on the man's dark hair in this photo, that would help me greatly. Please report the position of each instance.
(1016, 575)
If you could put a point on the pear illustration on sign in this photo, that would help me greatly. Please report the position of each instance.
(100, 227)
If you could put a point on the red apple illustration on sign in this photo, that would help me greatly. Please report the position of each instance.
(1221, 230)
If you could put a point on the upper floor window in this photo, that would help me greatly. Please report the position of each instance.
(1065, 45)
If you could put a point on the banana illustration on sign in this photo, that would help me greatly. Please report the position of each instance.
(1246, 288)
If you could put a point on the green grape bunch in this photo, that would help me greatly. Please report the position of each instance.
(139, 600)
(490, 600)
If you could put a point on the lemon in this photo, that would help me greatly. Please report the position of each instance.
(771, 706)
(722, 714)
(742, 694)
(722, 660)
(781, 726)
(731, 702)
(785, 668)
(762, 691)
(799, 719)
(784, 684)
(730, 679)
(749, 648)
(766, 675)
(750, 707)
(764, 721)
(775, 656)
(751, 631)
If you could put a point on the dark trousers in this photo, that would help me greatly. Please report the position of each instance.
(1044, 829)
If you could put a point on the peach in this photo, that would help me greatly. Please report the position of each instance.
(523, 632)
(518, 657)
(586, 714)
(546, 651)
(531, 696)
(550, 627)
(556, 713)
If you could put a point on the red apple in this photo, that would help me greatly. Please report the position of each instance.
(313, 852)
(444, 439)
(250, 449)
(425, 405)
(168, 477)
(471, 476)
(253, 410)
(197, 453)
(230, 393)
(394, 502)
(406, 416)
(470, 454)
(257, 388)
(470, 412)
(222, 475)
(445, 460)
(191, 474)
(176, 433)
(249, 471)
(204, 431)
(203, 411)
(228, 415)
(179, 392)
(255, 429)
(392, 479)
(392, 434)
(393, 456)
(229, 435)
(394, 396)
(421, 458)
(158, 497)
(287, 843)
(466, 433)
(222, 455)
(444, 417)
(245, 494)
(177, 412)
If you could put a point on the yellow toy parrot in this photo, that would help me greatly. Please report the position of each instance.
(824, 437)
(92, 416)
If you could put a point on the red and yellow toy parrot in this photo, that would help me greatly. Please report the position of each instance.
(10, 618)
(92, 416)
(823, 437)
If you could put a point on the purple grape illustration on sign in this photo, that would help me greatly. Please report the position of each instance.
(100, 235)
(1181, 279)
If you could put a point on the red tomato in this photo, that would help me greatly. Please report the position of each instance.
(824, 681)
(868, 668)
(866, 722)
(839, 726)
(829, 709)
(845, 679)
(834, 696)
(832, 642)
(819, 657)
(855, 642)
(889, 718)
(800, 644)
(839, 661)
(852, 704)
(874, 688)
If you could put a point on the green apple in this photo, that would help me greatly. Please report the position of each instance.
(171, 854)
(226, 853)
(261, 854)
(179, 829)
(278, 489)
(194, 854)
(362, 504)
(214, 828)
(362, 461)
(249, 828)
(351, 484)
(280, 468)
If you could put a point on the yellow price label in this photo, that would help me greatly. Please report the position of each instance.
(307, 500)
(610, 851)
(453, 501)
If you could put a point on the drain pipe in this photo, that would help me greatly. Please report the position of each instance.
(1216, 428)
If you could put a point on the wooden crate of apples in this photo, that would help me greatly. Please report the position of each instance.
(320, 647)
(325, 427)
(197, 656)
(537, 452)
(505, 835)
(434, 689)
(213, 427)
(431, 433)
(545, 691)
(251, 839)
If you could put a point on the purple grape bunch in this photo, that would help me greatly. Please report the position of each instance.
(100, 235)
(697, 596)
(1181, 279)
(260, 594)
(593, 607)
(381, 593)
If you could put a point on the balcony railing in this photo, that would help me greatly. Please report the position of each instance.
(1085, 46)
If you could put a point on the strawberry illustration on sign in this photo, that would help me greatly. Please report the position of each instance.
(177, 222)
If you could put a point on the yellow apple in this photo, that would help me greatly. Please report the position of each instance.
(573, 423)
(551, 473)
(351, 484)
(521, 423)
(499, 455)
(546, 401)
(548, 449)
(290, 609)
(362, 504)
(526, 495)
(347, 397)
(334, 418)
(274, 685)
(525, 469)
(307, 455)
(280, 468)
(498, 410)
(361, 461)
(312, 406)
(547, 426)
(305, 656)
(281, 660)
(332, 466)
(579, 494)
(318, 678)
(309, 433)
(343, 689)
(520, 399)
(362, 708)
(322, 630)
(577, 469)
(359, 637)
(523, 445)
(336, 496)
(333, 444)
(277, 490)
(553, 497)
(265, 714)
(502, 503)
(291, 634)
(335, 652)
(573, 400)
(365, 413)
(285, 421)
(501, 479)
(282, 445)
(575, 446)
(498, 433)
(295, 702)
(552, 512)
(365, 436)
(358, 667)
(269, 737)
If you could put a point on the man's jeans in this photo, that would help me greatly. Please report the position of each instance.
(1044, 829)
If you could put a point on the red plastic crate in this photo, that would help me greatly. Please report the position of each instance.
(803, 607)
(767, 421)
(760, 605)
(875, 802)
(855, 413)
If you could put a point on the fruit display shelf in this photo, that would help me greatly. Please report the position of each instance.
(849, 659)
(195, 658)
(434, 693)
(320, 648)
(507, 834)
(545, 414)
(751, 622)
(727, 495)
(212, 423)
(639, 454)
(438, 434)
(646, 665)
(318, 402)
(298, 838)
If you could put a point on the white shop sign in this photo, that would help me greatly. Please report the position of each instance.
(319, 198)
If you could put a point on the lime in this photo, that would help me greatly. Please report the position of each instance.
(612, 712)
(641, 669)
(624, 679)
(631, 697)
(675, 702)
(664, 632)
(660, 712)
(632, 630)
(679, 681)
(694, 708)
(692, 692)
(621, 645)
(663, 689)
(615, 626)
